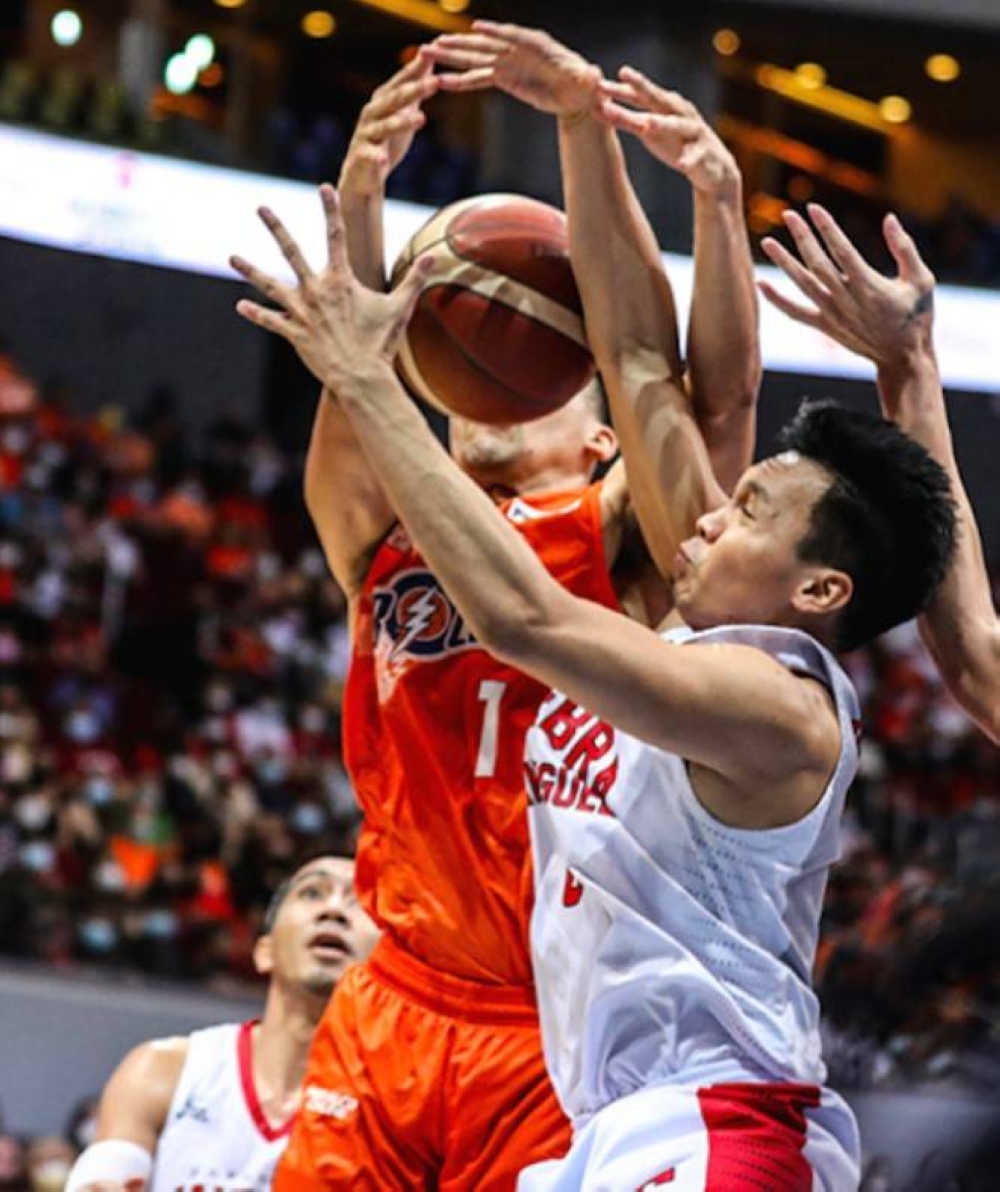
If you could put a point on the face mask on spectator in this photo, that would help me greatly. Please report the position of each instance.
(271, 770)
(109, 878)
(309, 819)
(82, 727)
(33, 812)
(98, 935)
(98, 792)
(160, 924)
(38, 855)
(49, 1176)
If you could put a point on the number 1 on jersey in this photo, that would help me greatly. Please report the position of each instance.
(490, 694)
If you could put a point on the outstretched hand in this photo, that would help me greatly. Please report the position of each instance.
(672, 129)
(525, 63)
(339, 328)
(881, 318)
(387, 125)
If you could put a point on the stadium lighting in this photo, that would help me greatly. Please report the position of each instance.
(319, 23)
(66, 27)
(200, 49)
(894, 109)
(180, 74)
(726, 42)
(230, 3)
(943, 68)
(811, 76)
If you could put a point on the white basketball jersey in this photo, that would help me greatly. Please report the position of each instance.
(216, 1138)
(668, 947)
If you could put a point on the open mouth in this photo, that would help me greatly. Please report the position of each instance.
(329, 946)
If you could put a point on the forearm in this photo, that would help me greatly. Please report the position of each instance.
(960, 623)
(616, 259)
(723, 344)
(496, 581)
(631, 325)
(346, 503)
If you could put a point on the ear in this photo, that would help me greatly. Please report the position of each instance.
(263, 956)
(823, 592)
(602, 444)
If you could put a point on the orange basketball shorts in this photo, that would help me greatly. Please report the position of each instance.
(417, 1079)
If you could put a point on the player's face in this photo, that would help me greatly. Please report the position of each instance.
(742, 565)
(559, 450)
(320, 928)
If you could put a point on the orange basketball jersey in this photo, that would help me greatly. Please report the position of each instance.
(434, 738)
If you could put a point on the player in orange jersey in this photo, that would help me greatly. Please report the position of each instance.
(434, 1041)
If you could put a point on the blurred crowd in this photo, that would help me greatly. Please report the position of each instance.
(42, 1164)
(172, 656)
(172, 653)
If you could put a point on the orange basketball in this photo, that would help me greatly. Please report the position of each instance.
(497, 335)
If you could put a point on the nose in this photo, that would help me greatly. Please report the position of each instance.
(710, 525)
(335, 906)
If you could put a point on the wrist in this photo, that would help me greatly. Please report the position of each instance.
(360, 386)
(359, 183)
(723, 189)
(916, 356)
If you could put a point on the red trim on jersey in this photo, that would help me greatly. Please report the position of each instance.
(244, 1055)
(756, 1133)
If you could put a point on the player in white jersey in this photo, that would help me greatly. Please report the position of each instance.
(213, 1110)
(683, 837)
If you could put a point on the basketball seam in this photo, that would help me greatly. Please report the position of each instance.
(456, 344)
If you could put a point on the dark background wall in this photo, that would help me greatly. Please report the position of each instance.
(116, 330)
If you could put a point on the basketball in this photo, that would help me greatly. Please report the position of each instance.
(497, 335)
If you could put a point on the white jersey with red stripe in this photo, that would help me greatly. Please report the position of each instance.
(669, 948)
(216, 1137)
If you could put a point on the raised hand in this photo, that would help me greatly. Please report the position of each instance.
(338, 327)
(882, 318)
(672, 129)
(387, 125)
(525, 63)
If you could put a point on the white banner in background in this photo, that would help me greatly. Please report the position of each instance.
(161, 211)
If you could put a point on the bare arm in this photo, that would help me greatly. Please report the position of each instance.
(890, 321)
(628, 304)
(732, 710)
(723, 341)
(345, 501)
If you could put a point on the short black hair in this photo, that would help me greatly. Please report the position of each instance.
(274, 904)
(887, 519)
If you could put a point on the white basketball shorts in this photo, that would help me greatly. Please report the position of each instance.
(720, 1138)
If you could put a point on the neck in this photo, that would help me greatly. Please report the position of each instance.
(281, 1048)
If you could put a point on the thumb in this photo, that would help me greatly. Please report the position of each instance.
(912, 267)
(407, 292)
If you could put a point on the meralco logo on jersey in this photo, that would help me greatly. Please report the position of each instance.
(417, 618)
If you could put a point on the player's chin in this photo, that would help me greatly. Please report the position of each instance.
(322, 978)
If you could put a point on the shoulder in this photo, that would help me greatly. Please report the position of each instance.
(140, 1091)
